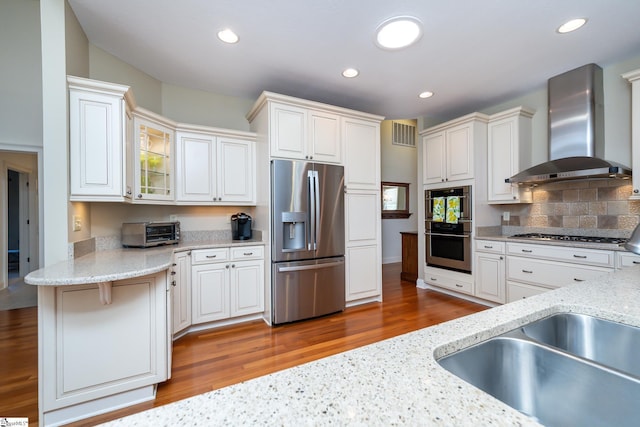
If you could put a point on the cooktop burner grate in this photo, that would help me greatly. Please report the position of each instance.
(567, 238)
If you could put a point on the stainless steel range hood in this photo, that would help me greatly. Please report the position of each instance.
(576, 131)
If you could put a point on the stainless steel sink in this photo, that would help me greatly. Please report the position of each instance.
(610, 343)
(544, 380)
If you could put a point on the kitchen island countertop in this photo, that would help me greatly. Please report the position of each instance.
(397, 381)
(120, 264)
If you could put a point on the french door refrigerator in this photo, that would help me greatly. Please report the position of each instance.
(307, 243)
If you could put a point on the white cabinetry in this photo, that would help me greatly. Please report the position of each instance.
(453, 280)
(303, 133)
(449, 153)
(489, 270)
(227, 283)
(509, 149)
(362, 210)
(99, 125)
(100, 355)
(626, 259)
(152, 166)
(544, 267)
(181, 291)
(213, 168)
(634, 78)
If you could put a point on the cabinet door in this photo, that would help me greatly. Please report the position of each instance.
(490, 277)
(362, 218)
(96, 144)
(459, 153)
(235, 171)
(153, 151)
(247, 289)
(181, 283)
(324, 137)
(195, 167)
(433, 158)
(288, 132)
(210, 293)
(503, 155)
(361, 140)
(364, 272)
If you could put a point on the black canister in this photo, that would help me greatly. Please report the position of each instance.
(241, 226)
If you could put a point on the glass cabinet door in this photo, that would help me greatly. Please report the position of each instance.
(154, 161)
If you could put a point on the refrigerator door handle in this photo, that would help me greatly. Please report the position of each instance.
(282, 269)
(312, 210)
(316, 194)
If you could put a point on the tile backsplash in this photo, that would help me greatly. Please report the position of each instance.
(601, 204)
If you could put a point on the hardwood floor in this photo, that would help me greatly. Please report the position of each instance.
(216, 358)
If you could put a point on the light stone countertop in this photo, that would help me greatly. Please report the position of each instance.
(119, 264)
(396, 381)
(566, 243)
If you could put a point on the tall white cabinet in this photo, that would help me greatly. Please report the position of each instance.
(299, 129)
(634, 78)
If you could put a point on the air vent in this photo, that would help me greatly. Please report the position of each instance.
(404, 134)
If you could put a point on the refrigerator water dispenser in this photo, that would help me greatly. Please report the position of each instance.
(294, 231)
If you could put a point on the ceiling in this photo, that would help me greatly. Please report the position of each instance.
(472, 54)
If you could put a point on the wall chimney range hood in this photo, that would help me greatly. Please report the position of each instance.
(576, 131)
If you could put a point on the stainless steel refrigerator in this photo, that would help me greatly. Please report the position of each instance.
(307, 244)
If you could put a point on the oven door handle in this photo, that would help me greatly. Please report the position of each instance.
(463, 219)
(428, 233)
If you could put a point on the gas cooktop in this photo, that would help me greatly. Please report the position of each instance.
(566, 238)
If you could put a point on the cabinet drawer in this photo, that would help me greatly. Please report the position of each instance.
(626, 259)
(247, 252)
(205, 256)
(596, 257)
(449, 281)
(517, 291)
(490, 246)
(549, 273)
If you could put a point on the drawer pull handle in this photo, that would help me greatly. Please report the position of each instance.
(488, 247)
(578, 280)
(580, 256)
(459, 286)
(211, 256)
(527, 271)
(527, 251)
(636, 262)
(248, 253)
(434, 279)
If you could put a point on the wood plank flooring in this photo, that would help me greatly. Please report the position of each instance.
(216, 358)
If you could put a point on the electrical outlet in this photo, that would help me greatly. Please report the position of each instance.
(173, 217)
(77, 223)
(506, 215)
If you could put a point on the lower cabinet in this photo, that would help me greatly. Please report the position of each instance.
(181, 291)
(226, 283)
(362, 273)
(489, 277)
(454, 280)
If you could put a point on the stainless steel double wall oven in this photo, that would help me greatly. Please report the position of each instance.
(448, 226)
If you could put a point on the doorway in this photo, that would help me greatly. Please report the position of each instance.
(19, 219)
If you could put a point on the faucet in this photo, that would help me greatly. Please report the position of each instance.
(633, 244)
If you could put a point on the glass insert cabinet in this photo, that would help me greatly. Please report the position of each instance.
(153, 164)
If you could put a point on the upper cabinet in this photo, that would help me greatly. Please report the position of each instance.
(305, 134)
(509, 152)
(152, 157)
(449, 153)
(99, 126)
(362, 153)
(634, 78)
(214, 166)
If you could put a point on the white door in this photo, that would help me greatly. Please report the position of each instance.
(433, 161)
(502, 158)
(288, 131)
(210, 293)
(181, 283)
(459, 153)
(361, 140)
(324, 137)
(247, 290)
(235, 170)
(195, 167)
(490, 277)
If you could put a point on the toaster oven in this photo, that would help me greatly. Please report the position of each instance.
(148, 234)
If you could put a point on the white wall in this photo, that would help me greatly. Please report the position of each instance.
(399, 164)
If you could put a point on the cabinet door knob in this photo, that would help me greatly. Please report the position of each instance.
(139, 196)
(233, 266)
(635, 190)
(173, 283)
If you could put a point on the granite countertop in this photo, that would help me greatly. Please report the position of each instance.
(396, 381)
(119, 264)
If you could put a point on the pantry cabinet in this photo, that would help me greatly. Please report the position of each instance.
(153, 145)
(449, 152)
(302, 133)
(509, 152)
(227, 283)
(99, 128)
(213, 168)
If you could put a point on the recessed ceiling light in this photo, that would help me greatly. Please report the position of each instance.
(572, 25)
(228, 36)
(425, 94)
(398, 32)
(350, 73)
